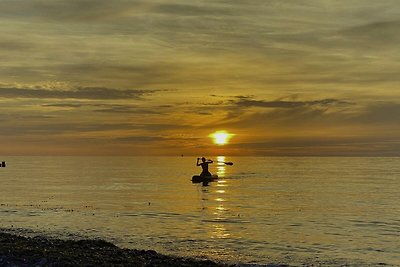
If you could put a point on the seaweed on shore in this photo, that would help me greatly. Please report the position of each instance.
(40, 251)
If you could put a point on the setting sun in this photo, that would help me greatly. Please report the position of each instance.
(221, 137)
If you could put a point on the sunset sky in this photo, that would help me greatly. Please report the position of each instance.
(154, 77)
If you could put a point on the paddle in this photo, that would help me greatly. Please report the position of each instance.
(226, 163)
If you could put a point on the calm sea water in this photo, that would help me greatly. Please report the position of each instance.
(328, 211)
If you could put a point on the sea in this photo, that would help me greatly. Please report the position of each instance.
(300, 211)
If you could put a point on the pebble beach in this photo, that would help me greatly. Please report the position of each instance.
(16, 250)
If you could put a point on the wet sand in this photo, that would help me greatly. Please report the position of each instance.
(17, 250)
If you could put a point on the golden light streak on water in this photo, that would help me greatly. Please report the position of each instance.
(220, 231)
(220, 208)
(221, 166)
(220, 160)
(221, 183)
(221, 171)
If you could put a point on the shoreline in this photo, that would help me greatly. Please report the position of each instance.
(18, 250)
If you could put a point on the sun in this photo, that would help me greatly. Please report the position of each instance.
(221, 137)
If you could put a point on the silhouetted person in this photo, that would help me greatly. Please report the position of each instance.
(204, 166)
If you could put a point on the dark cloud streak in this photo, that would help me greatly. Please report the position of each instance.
(59, 10)
(95, 93)
(247, 102)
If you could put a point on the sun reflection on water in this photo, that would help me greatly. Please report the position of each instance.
(221, 183)
(215, 202)
(221, 166)
(219, 231)
(221, 160)
(220, 211)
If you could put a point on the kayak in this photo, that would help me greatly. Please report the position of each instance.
(202, 179)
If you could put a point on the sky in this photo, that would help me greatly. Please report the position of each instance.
(157, 77)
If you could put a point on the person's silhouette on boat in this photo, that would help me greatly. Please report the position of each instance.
(204, 166)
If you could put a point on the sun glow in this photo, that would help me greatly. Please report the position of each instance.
(221, 137)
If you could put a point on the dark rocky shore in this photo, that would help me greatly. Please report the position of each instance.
(40, 251)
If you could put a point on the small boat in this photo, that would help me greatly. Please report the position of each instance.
(204, 179)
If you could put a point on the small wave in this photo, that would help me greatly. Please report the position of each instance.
(261, 265)
(225, 221)
(9, 211)
(150, 214)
